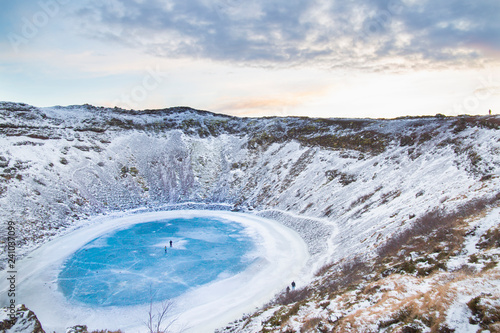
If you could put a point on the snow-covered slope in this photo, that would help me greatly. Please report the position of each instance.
(346, 185)
(19, 320)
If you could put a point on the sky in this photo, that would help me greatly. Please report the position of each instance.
(317, 58)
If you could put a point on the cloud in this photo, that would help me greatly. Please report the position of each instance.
(364, 34)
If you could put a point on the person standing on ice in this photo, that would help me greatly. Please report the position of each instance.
(170, 243)
(293, 285)
(165, 249)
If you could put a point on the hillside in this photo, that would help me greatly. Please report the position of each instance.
(400, 216)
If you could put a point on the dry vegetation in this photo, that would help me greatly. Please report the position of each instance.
(407, 288)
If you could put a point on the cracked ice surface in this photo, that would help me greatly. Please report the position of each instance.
(222, 265)
(123, 267)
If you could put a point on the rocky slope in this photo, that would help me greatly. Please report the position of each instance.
(19, 320)
(348, 186)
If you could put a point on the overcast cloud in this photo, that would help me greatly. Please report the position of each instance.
(357, 33)
(275, 57)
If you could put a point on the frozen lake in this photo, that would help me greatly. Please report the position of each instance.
(124, 267)
(221, 265)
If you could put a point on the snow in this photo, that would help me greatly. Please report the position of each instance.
(25, 321)
(281, 254)
(286, 181)
(458, 318)
(478, 228)
(4, 314)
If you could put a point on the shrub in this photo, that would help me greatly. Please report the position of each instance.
(435, 223)
(344, 178)
(133, 171)
(310, 324)
(405, 315)
(292, 296)
(483, 313)
(262, 139)
(366, 141)
(346, 276)
(78, 329)
(491, 239)
(490, 265)
(283, 315)
(124, 170)
(473, 305)
(410, 329)
(408, 267)
(407, 141)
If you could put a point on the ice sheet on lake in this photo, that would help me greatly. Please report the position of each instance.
(122, 268)
(277, 256)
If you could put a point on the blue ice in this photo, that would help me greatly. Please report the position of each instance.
(129, 266)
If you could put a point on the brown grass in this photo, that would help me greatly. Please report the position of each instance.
(395, 303)
(403, 306)
(440, 226)
(310, 325)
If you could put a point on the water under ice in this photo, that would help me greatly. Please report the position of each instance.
(128, 266)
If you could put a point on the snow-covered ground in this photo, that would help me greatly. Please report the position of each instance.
(280, 258)
(442, 301)
(345, 186)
